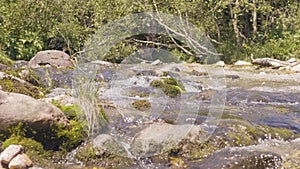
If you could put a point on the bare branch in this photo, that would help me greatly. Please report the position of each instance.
(191, 40)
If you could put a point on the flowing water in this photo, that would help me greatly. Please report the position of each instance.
(212, 95)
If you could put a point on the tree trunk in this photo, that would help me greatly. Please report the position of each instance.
(234, 20)
(254, 19)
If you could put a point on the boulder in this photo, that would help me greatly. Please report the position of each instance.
(15, 108)
(51, 57)
(160, 137)
(21, 161)
(108, 144)
(242, 63)
(9, 153)
(10, 83)
(52, 77)
(268, 154)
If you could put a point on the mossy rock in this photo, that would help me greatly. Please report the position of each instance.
(170, 86)
(170, 81)
(171, 91)
(92, 156)
(141, 105)
(156, 83)
(9, 84)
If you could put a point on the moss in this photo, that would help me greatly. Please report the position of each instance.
(156, 83)
(141, 105)
(13, 85)
(171, 91)
(71, 111)
(137, 93)
(278, 133)
(72, 136)
(170, 81)
(28, 144)
(87, 154)
(91, 156)
(223, 116)
(170, 86)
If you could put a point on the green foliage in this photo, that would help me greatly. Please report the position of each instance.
(4, 59)
(56, 24)
(281, 48)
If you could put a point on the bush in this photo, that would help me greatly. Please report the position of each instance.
(281, 48)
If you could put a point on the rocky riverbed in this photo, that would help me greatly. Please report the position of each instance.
(160, 115)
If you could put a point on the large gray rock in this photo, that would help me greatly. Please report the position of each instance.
(15, 108)
(9, 153)
(160, 137)
(107, 143)
(51, 57)
(268, 154)
(52, 77)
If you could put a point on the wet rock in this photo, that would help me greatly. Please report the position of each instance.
(51, 77)
(269, 154)
(9, 153)
(15, 108)
(63, 96)
(242, 63)
(21, 161)
(235, 158)
(54, 58)
(232, 76)
(108, 144)
(160, 137)
(197, 73)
